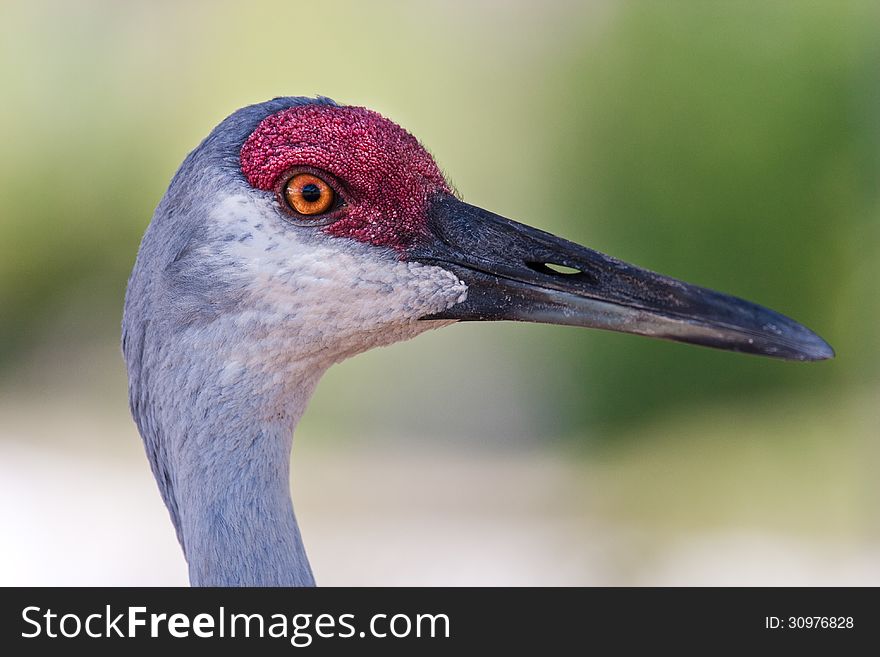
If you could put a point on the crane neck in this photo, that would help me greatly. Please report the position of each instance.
(228, 474)
(237, 522)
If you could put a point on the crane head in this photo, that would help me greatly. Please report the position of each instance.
(332, 229)
(301, 232)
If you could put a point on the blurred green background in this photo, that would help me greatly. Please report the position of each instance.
(734, 145)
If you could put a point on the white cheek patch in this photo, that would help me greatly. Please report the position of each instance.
(318, 296)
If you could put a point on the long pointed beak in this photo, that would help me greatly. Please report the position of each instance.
(516, 272)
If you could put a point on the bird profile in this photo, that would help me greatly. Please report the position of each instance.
(302, 232)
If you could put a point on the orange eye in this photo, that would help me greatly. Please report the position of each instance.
(308, 194)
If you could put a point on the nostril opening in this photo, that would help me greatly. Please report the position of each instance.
(561, 271)
(552, 269)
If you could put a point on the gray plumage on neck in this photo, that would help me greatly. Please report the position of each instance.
(231, 317)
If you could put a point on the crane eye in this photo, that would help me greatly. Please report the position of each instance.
(308, 195)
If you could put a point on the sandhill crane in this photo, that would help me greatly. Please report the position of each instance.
(301, 232)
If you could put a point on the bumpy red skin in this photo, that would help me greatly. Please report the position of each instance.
(388, 176)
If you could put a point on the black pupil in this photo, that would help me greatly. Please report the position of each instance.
(311, 193)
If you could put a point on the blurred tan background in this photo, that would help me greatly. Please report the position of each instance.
(735, 145)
